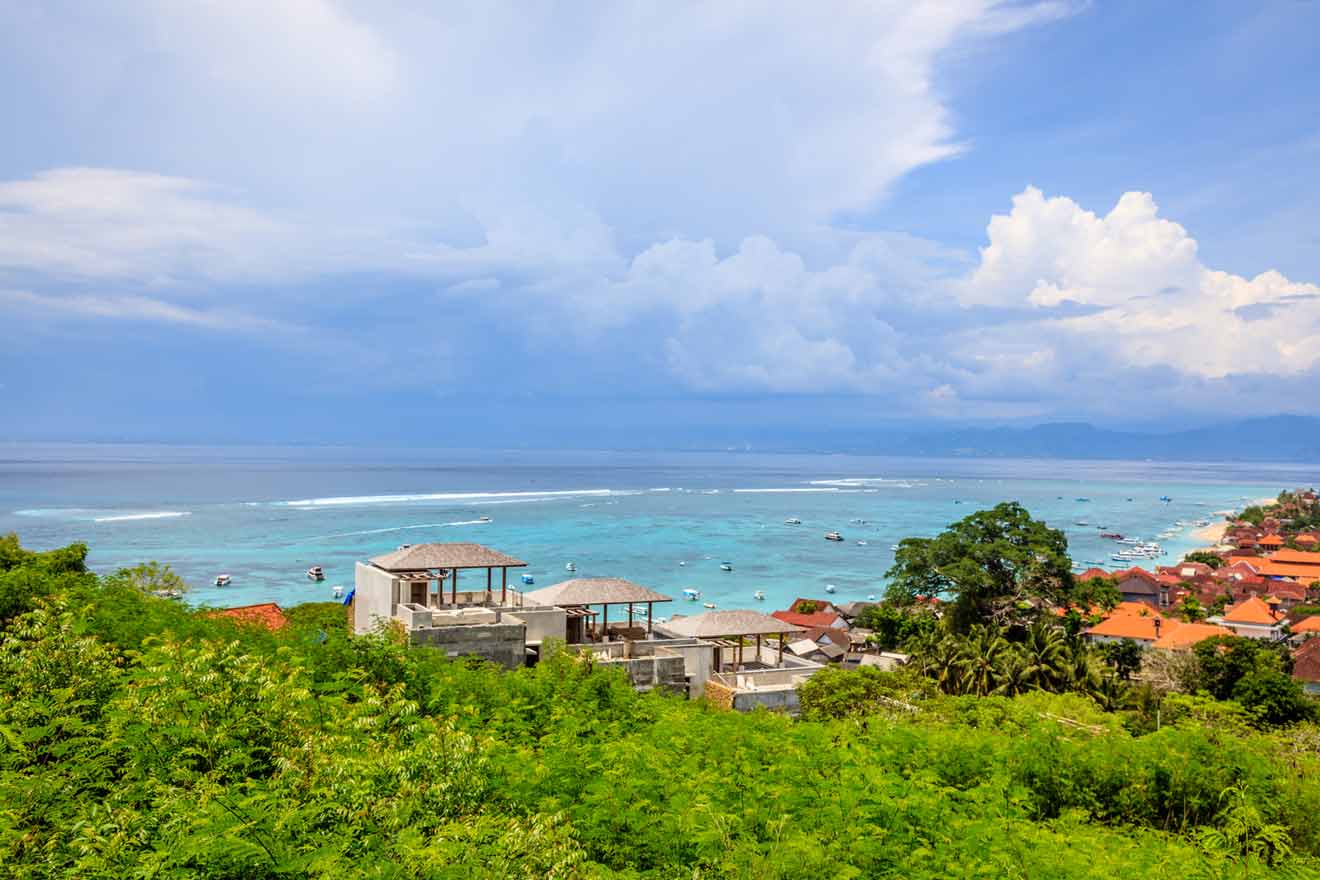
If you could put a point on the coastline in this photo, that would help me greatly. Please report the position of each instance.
(1213, 534)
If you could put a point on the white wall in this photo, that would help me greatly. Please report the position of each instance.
(374, 597)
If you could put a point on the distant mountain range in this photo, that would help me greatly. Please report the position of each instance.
(1272, 438)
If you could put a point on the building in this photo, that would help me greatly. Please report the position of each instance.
(1131, 620)
(1252, 619)
(1306, 666)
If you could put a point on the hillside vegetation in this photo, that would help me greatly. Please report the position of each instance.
(139, 738)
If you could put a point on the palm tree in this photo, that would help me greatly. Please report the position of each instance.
(1013, 679)
(982, 656)
(1045, 657)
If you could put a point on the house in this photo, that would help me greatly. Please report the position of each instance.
(1138, 585)
(1142, 624)
(1306, 628)
(808, 606)
(1270, 542)
(1185, 636)
(266, 614)
(1306, 666)
(1289, 594)
(1252, 619)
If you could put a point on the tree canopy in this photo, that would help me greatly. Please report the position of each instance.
(997, 565)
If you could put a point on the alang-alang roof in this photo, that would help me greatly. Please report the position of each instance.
(594, 591)
(427, 557)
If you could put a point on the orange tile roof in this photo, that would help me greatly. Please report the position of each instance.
(1298, 557)
(1307, 625)
(268, 614)
(1254, 611)
(1271, 540)
(1139, 627)
(1187, 634)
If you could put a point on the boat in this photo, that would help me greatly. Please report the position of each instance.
(170, 593)
(829, 588)
(691, 595)
(870, 597)
(893, 548)
(1165, 498)
(338, 591)
(316, 573)
(759, 595)
(222, 580)
(707, 604)
(792, 521)
(681, 562)
(569, 566)
(1113, 536)
(861, 543)
(528, 579)
(858, 522)
(833, 536)
(483, 519)
(1083, 499)
(1081, 522)
(726, 566)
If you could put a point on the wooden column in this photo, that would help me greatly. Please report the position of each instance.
(630, 615)
(758, 647)
(604, 622)
(650, 618)
(504, 583)
(489, 573)
(453, 591)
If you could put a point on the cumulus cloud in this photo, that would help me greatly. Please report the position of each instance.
(1150, 299)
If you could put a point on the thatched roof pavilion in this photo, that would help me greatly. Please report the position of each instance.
(739, 624)
(581, 593)
(427, 562)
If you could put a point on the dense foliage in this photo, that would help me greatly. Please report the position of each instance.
(139, 738)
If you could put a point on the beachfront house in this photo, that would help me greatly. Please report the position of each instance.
(416, 588)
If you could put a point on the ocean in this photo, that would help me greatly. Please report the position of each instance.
(666, 520)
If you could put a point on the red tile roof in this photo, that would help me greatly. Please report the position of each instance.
(267, 614)
(808, 621)
(1306, 661)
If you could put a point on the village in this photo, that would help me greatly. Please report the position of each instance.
(1259, 582)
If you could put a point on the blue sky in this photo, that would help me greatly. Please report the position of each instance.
(663, 223)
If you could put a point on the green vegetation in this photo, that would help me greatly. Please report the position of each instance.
(1214, 560)
(139, 738)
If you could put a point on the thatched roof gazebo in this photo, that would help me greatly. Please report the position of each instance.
(719, 626)
(579, 594)
(427, 562)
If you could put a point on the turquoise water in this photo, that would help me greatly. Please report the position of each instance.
(664, 520)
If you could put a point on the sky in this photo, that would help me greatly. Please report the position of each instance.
(653, 224)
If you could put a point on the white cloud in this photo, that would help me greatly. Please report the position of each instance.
(1148, 298)
(142, 308)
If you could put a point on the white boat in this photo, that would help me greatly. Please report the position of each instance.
(893, 548)
(833, 536)
(759, 595)
(870, 597)
(708, 604)
(167, 594)
(726, 566)
(682, 562)
(861, 543)
(222, 580)
(569, 566)
(483, 519)
(316, 573)
(792, 521)
(691, 595)
(829, 588)
(338, 592)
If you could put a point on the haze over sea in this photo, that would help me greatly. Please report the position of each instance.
(666, 520)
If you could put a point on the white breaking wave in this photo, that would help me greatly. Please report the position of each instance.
(441, 496)
(157, 514)
(443, 525)
(82, 514)
(776, 491)
(865, 482)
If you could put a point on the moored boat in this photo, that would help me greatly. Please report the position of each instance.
(833, 536)
(316, 573)
(726, 566)
(222, 580)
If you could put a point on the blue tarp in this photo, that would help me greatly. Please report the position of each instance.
(349, 598)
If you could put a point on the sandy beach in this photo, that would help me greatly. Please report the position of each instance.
(1213, 534)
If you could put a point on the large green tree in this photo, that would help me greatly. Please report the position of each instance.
(997, 565)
